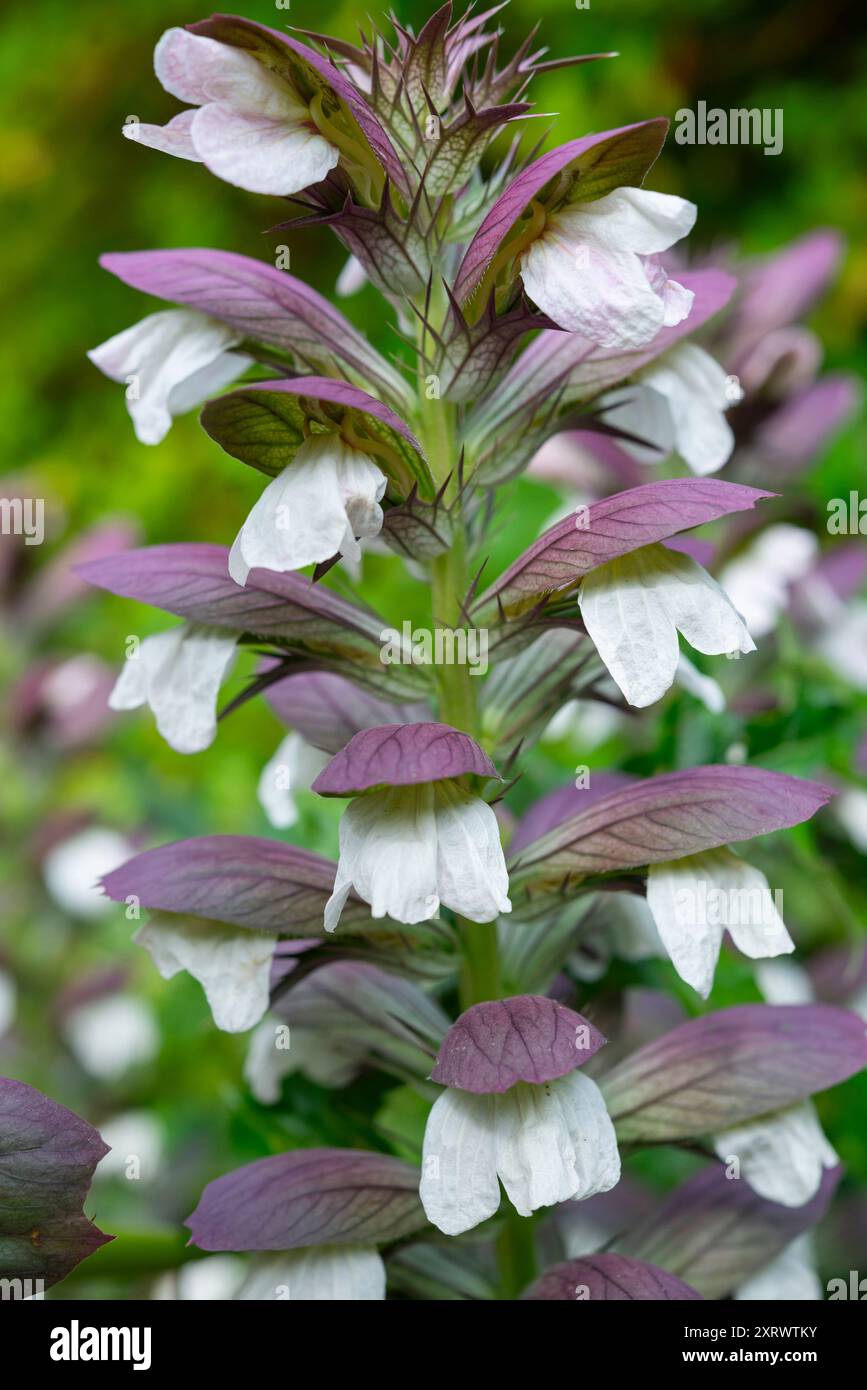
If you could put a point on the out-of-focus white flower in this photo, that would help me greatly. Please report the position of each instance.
(72, 869)
(111, 1035)
(136, 1141)
(757, 582)
(178, 674)
(317, 1274)
(293, 768)
(211, 1280)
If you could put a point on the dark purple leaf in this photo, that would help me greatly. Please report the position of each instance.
(616, 525)
(246, 881)
(531, 1038)
(400, 755)
(614, 1278)
(309, 1197)
(267, 305)
(47, 1159)
(670, 816)
(711, 1073)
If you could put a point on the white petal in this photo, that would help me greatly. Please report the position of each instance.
(388, 853)
(554, 1142)
(259, 153)
(784, 982)
(321, 1273)
(175, 137)
(336, 903)
(638, 219)
(693, 900)
(704, 688)
(205, 382)
(790, 1278)
(695, 387)
(302, 516)
(294, 767)
(459, 1187)
(197, 69)
(634, 606)
(585, 270)
(627, 922)
(181, 671)
(352, 278)
(232, 965)
(471, 869)
(158, 355)
(641, 411)
(276, 1051)
(782, 1156)
(758, 579)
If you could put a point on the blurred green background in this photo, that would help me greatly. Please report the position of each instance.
(73, 188)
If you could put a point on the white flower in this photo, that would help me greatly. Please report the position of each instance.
(406, 850)
(327, 496)
(171, 361)
(277, 1051)
(789, 1278)
(134, 1135)
(843, 643)
(73, 868)
(214, 1279)
(703, 687)
(352, 278)
(232, 965)
(783, 1156)
(677, 403)
(758, 580)
(178, 674)
(694, 901)
(546, 1144)
(251, 128)
(112, 1034)
(294, 766)
(317, 1274)
(634, 607)
(587, 271)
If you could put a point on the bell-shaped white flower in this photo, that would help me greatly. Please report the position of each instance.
(326, 497)
(178, 674)
(292, 768)
(546, 1144)
(634, 607)
(677, 404)
(317, 1274)
(251, 129)
(232, 965)
(782, 1156)
(408, 850)
(759, 579)
(589, 272)
(171, 362)
(695, 900)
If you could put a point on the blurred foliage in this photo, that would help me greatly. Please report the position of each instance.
(69, 77)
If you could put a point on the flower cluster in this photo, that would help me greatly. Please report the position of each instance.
(540, 308)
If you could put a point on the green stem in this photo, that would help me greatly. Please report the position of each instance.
(481, 974)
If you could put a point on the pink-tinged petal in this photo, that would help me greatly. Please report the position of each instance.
(309, 1197)
(715, 1232)
(248, 882)
(711, 1073)
(309, 74)
(641, 516)
(188, 67)
(670, 816)
(780, 289)
(529, 1037)
(560, 804)
(48, 1159)
(789, 439)
(263, 303)
(328, 710)
(175, 137)
(588, 168)
(260, 153)
(608, 1277)
(401, 755)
